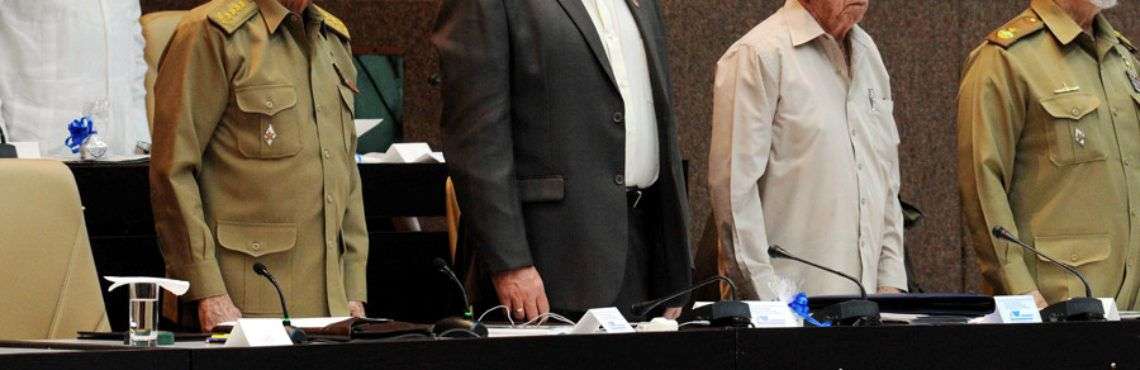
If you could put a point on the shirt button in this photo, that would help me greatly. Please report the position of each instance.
(852, 133)
(269, 104)
(1073, 257)
(1076, 111)
(332, 243)
(1115, 112)
(619, 179)
(859, 166)
(328, 198)
(863, 201)
(326, 153)
(619, 118)
(255, 246)
(320, 108)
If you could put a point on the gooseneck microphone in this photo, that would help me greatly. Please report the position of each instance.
(1075, 309)
(457, 326)
(295, 334)
(855, 312)
(640, 310)
(776, 251)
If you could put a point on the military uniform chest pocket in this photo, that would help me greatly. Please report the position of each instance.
(1074, 129)
(270, 126)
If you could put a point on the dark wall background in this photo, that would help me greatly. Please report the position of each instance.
(923, 42)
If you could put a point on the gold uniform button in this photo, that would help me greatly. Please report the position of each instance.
(328, 198)
(255, 246)
(1076, 111)
(269, 104)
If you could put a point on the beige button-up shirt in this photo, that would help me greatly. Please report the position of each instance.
(805, 156)
(626, 52)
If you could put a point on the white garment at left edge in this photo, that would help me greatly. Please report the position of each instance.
(58, 56)
(805, 156)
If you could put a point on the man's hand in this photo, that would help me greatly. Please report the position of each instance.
(356, 309)
(216, 310)
(522, 292)
(1040, 299)
(889, 290)
(672, 313)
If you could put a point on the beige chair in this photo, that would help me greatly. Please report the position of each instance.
(49, 288)
(158, 28)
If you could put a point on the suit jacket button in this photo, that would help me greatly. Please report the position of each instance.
(620, 180)
(619, 118)
(255, 246)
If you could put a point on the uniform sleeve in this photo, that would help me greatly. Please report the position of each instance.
(744, 105)
(991, 116)
(355, 232)
(472, 39)
(191, 94)
(892, 268)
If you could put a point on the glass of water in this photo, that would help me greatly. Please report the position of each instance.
(144, 315)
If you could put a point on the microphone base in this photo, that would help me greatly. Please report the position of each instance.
(7, 151)
(1076, 309)
(724, 314)
(296, 335)
(856, 312)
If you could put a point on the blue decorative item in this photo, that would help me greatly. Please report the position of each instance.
(80, 129)
(799, 305)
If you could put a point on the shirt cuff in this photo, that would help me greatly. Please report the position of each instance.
(356, 281)
(205, 280)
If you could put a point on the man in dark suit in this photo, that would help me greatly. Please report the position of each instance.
(560, 137)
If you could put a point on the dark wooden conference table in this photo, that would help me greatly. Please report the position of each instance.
(1103, 345)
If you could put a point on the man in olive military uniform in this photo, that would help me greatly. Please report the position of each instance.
(253, 161)
(1049, 148)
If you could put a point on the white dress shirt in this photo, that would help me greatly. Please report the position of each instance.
(59, 56)
(805, 156)
(626, 52)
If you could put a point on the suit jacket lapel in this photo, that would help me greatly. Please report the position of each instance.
(581, 18)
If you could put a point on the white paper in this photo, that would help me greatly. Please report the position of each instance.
(1111, 312)
(178, 287)
(772, 315)
(258, 333)
(316, 322)
(27, 149)
(404, 153)
(529, 331)
(365, 125)
(1017, 309)
(609, 319)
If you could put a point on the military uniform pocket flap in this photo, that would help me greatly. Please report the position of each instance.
(257, 239)
(267, 100)
(542, 189)
(1075, 250)
(1072, 106)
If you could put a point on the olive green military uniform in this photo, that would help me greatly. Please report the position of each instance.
(1049, 148)
(253, 158)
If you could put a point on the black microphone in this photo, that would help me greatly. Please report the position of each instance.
(295, 334)
(855, 312)
(731, 313)
(643, 308)
(776, 251)
(6, 150)
(1076, 309)
(456, 326)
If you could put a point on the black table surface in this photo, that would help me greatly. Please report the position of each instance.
(1102, 345)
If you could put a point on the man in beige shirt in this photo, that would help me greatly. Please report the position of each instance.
(805, 154)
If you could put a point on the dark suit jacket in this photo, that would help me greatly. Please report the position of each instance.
(534, 136)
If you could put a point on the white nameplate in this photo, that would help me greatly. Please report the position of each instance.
(1017, 309)
(1111, 312)
(258, 333)
(27, 149)
(772, 315)
(609, 319)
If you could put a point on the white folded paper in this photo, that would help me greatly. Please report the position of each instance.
(178, 287)
(403, 153)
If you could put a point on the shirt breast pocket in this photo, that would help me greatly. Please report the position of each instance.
(347, 87)
(270, 126)
(1074, 129)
